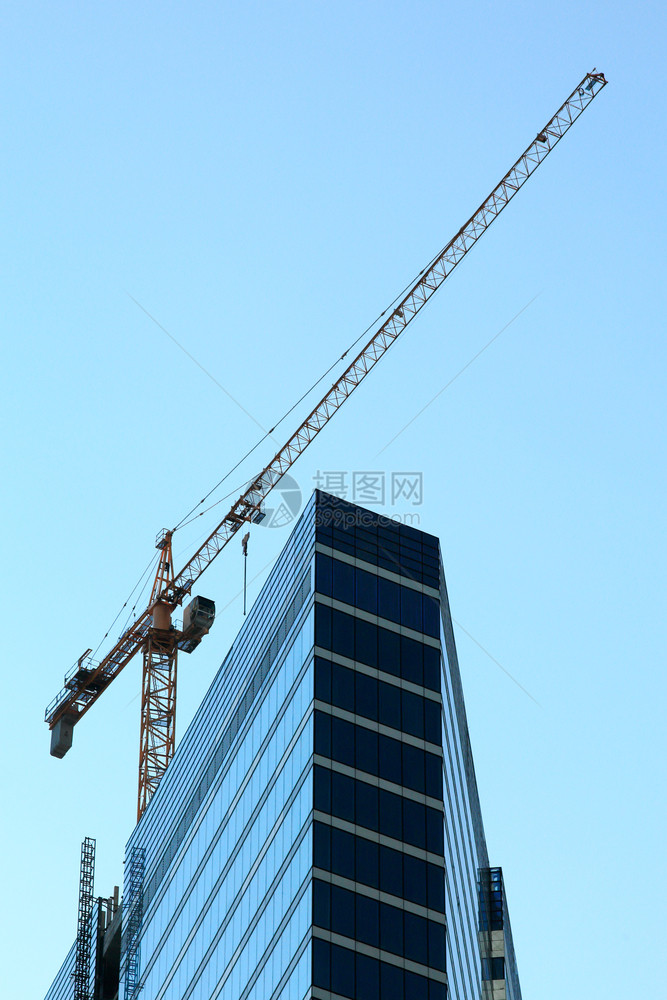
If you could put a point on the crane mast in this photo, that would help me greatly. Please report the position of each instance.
(153, 631)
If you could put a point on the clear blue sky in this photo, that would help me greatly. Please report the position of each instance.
(264, 178)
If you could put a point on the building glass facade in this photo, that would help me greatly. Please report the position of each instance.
(318, 832)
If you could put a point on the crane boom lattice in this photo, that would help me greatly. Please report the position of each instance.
(86, 681)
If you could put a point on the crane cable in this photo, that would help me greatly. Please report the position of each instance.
(187, 519)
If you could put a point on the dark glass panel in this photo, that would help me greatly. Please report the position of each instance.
(342, 796)
(436, 888)
(342, 911)
(368, 978)
(391, 982)
(432, 729)
(342, 687)
(368, 920)
(322, 790)
(432, 668)
(431, 616)
(391, 929)
(321, 904)
(435, 831)
(342, 634)
(414, 823)
(322, 626)
(342, 853)
(391, 871)
(413, 768)
(436, 991)
(367, 862)
(323, 572)
(342, 741)
(436, 945)
(389, 652)
(390, 759)
(342, 971)
(414, 873)
(390, 705)
(366, 750)
(366, 806)
(321, 964)
(389, 600)
(412, 714)
(343, 581)
(323, 733)
(322, 679)
(416, 939)
(366, 643)
(433, 775)
(390, 814)
(416, 986)
(322, 846)
(366, 696)
(367, 591)
(412, 660)
(411, 608)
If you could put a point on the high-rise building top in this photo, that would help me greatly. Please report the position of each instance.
(318, 832)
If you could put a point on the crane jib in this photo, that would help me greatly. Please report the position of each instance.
(86, 681)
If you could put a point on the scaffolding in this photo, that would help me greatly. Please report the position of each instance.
(133, 905)
(83, 928)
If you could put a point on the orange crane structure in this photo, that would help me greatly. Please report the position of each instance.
(153, 632)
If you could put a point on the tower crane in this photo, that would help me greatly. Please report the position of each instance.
(153, 632)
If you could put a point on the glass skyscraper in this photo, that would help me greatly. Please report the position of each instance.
(318, 832)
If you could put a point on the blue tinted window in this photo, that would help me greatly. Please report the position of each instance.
(411, 609)
(367, 861)
(367, 806)
(322, 846)
(366, 696)
(412, 660)
(415, 879)
(435, 833)
(432, 668)
(414, 823)
(342, 853)
(413, 768)
(390, 706)
(323, 574)
(436, 945)
(342, 634)
(322, 790)
(436, 888)
(390, 759)
(391, 982)
(366, 750)
(436, 991)
(322, 626)
(431, 616)
(321, 904)
(416, 940)
(342, 796)
(391, 929)
(389, 600)
(342, 911)
(391, 871)
(368, 920)
(342, 741)
(432, 721)
(390, 815)
(343, 581)
(323, 734)
(321, 964)
(389, 653)
(367, 591)
(368, 978)
(413, 713)
(366, 643)
(322, 678)
(342, 971)
(342, 687)
(416, 987)
(433, 775)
